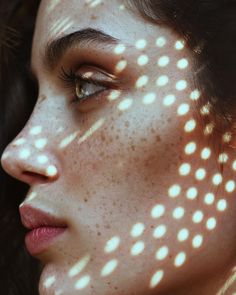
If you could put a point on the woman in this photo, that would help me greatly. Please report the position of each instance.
(129, 152)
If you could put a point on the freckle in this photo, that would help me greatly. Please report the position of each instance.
(93, 17)
(169, 120)
(97, 225)
(133, 147)
(103, 137)
(127, 124)
(86, 200)
(42, 98)
(158, 138)
(143, 139)
(117, 137)
(99, 234)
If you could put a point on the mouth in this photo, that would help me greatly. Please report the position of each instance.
(44, 228)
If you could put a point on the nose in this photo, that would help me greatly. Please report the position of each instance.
(30, 159)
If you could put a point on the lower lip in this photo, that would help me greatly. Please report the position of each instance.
(40, 238)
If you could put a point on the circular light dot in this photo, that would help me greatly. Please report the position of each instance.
(205, 110)
(190, 125)
(181, 85)
(178, 212)
(40, 143)
(195, 94)
(137, 230)
(19, 141)
(149, 98)
(206, 153)
(190, 148)
(211, 223)
(120, 66)
(125, 104)
(227, 137)
(35, 130)
(174, 190)
(162, 81)
(137, 248)
(42, 159)
(217, 179)
(161, 41)
(182, 63)
(192, 193)
(183, 109)
(142, 81)
(197, 241)
(179, 45)
(49, 281)
(156, 278)
(163, 61)
(162, 253)
(82, 282)
(209, 198)
(209, 129)
(158, 211)
(183, 235)
(221, 205)
(230, 186)
(234, 165)
(119, 49)
(24, 154)
(169, 100)
(109, 267)
(223, 158)
(198, 217)
(200, 174)
(184, 169)
(51, 170)
(112, 244)
(159, 231)
(180, 259)
(142, 60)
(141, 44)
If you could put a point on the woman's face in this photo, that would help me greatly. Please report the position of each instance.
(131, 168)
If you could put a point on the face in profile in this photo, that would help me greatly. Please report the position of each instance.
(119, 147)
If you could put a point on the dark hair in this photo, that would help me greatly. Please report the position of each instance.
(207, 26)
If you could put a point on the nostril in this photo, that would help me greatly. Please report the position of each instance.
(34, 175)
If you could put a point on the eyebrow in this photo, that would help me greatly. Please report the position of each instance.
(54, 50)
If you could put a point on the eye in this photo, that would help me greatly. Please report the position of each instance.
(84, 86)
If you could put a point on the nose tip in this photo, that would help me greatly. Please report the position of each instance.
(29, 164)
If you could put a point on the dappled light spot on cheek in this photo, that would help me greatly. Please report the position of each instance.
(93, 3)
(209, 198)
(163, 61)
(119, 49)
(162, 253)
(66, 141)
(180, 259)
(234, 165)
(221, 205)
(182, 63)
(125, 104)
(19, 141)
(162, 81)
(209, 128)
(223, 158)
(49, 281)
(142, 60)
(112, 244)
(156, 278)
(200, 174)
(40, 143)
(183, 235)
(157, 211)
(79, 266)
(169, 100)
(190, 125)
(197, 241)
(181, 85)
(52, 5)
(195, 94)
(192, 193)
(51, 170)
(174, 190)
(82, 282)
(35, 130)
(211, 223)
(141, 82)
(197, 216)
(61, 25)
(227, 137)
(183, 109)
(179, 45)
(24, 154)
(109, 267)
(190, 148)
(205, 110)
(141, 44)
(137, 248)
(98, 124)
(137, 230)
(206, 153)
(5, 155)
(184, 169)
(178, 212)
(159, 231)
(120, 66)
(217, 179)
(230, 186)
(115, 94)
(42, 159)
(122, 7)
(161, 42)
(60, 129)
(149, 98)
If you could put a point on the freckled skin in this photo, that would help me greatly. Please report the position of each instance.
(113, 180)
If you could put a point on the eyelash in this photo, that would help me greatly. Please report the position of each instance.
(71, 79)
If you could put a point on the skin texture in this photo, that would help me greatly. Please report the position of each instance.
(113, 178)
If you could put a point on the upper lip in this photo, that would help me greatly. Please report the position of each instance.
(33, 218)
